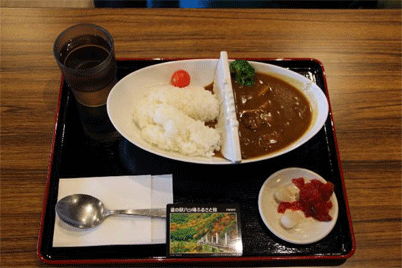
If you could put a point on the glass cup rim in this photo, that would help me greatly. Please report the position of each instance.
(100, 65)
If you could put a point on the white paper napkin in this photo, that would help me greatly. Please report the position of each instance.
(120, 192)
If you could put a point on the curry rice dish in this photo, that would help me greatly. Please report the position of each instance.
(272, 115)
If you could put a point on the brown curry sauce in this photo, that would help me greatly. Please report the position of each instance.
(272, 115)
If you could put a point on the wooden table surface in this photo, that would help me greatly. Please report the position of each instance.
(360, 51)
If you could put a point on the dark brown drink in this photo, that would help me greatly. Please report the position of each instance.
(85, 55)
(85, 52)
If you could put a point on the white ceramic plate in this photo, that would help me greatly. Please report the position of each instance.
(126, 93)
(309, 230)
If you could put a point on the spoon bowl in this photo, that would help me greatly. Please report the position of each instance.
(85, 211)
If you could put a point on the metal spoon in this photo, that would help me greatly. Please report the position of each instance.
(85, 211)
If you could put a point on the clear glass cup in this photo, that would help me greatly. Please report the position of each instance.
(86, 57)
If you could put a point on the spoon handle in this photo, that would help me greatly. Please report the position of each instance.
(153, 212)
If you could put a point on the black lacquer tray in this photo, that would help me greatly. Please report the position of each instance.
(74, 155)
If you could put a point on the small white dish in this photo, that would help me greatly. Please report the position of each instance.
(309, 230)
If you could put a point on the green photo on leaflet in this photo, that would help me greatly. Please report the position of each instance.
(203, 230)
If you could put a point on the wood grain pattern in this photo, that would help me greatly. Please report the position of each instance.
(361, 53)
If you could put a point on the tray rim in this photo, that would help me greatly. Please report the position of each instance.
(165, 260)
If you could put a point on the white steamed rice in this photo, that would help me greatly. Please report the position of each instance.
(173, 119)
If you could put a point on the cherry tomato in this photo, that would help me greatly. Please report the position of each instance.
(180, 78)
